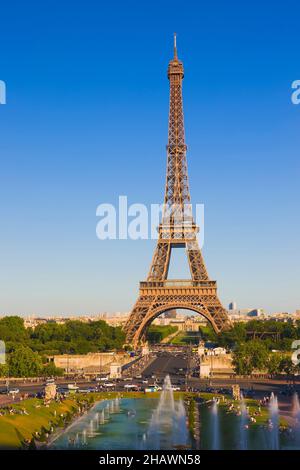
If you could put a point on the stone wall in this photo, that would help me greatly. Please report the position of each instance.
(218, 365)
(91, 362)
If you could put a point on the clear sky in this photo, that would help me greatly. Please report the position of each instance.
(86, 121)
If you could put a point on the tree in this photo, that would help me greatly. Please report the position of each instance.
(76, 337)
(286, 365)
(156, 333)
(3, 370)
(49, 332)
(250, 356)
(273, 364)
(233, 337)
(50, 370)
(12, 329)
(23, 362)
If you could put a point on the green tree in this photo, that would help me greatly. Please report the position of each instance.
(23, 362)
(273, 364)
(76, 337)
(157, 333)
(287, 366)
(233, 337)
(250, 356)
(50, 370)
(12, 329)
(3, 370)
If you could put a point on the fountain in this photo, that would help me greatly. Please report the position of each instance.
(296, 407)
(107, 411)
(102, 417)
(160, 423)
(181, 422)
(84, 441)
(112, 407)
(167, 427)
(243, 425)
(91, 428)
(274, 422)
(296, 415)
(117, 405)
(215, 426)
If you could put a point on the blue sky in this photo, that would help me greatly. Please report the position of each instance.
(86, 121)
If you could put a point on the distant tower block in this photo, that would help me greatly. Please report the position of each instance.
(176, 229)
(232, 306)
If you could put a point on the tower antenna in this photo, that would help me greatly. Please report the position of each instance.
(175, 46)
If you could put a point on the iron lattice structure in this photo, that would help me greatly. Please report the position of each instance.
(177, 229)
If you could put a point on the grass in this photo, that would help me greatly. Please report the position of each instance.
(186, 337)
(14, 429)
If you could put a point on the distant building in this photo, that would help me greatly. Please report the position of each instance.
(171, 313)
(245, 314)
(115, 371)
(256, 312)
(232, 306)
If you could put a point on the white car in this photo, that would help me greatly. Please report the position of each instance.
(145, 381)
(108, 384)
(14, 391)
(176, 389)
(50, 381)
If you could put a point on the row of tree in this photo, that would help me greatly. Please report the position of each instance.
(51, 338)
(27, 349)
(23, 362)
(255, 356)
(277, 335)
(156, 333)
(259, 345)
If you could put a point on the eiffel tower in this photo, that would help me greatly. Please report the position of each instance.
(177, 229)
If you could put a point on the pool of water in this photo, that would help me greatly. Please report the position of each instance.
(220, 429)
(150, 423)
(121, 424)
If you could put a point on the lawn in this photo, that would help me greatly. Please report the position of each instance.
(14, 429)
(186, 337)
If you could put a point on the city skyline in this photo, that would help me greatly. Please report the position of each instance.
(91, 122)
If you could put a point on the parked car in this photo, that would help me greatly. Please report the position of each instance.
(131, 387)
